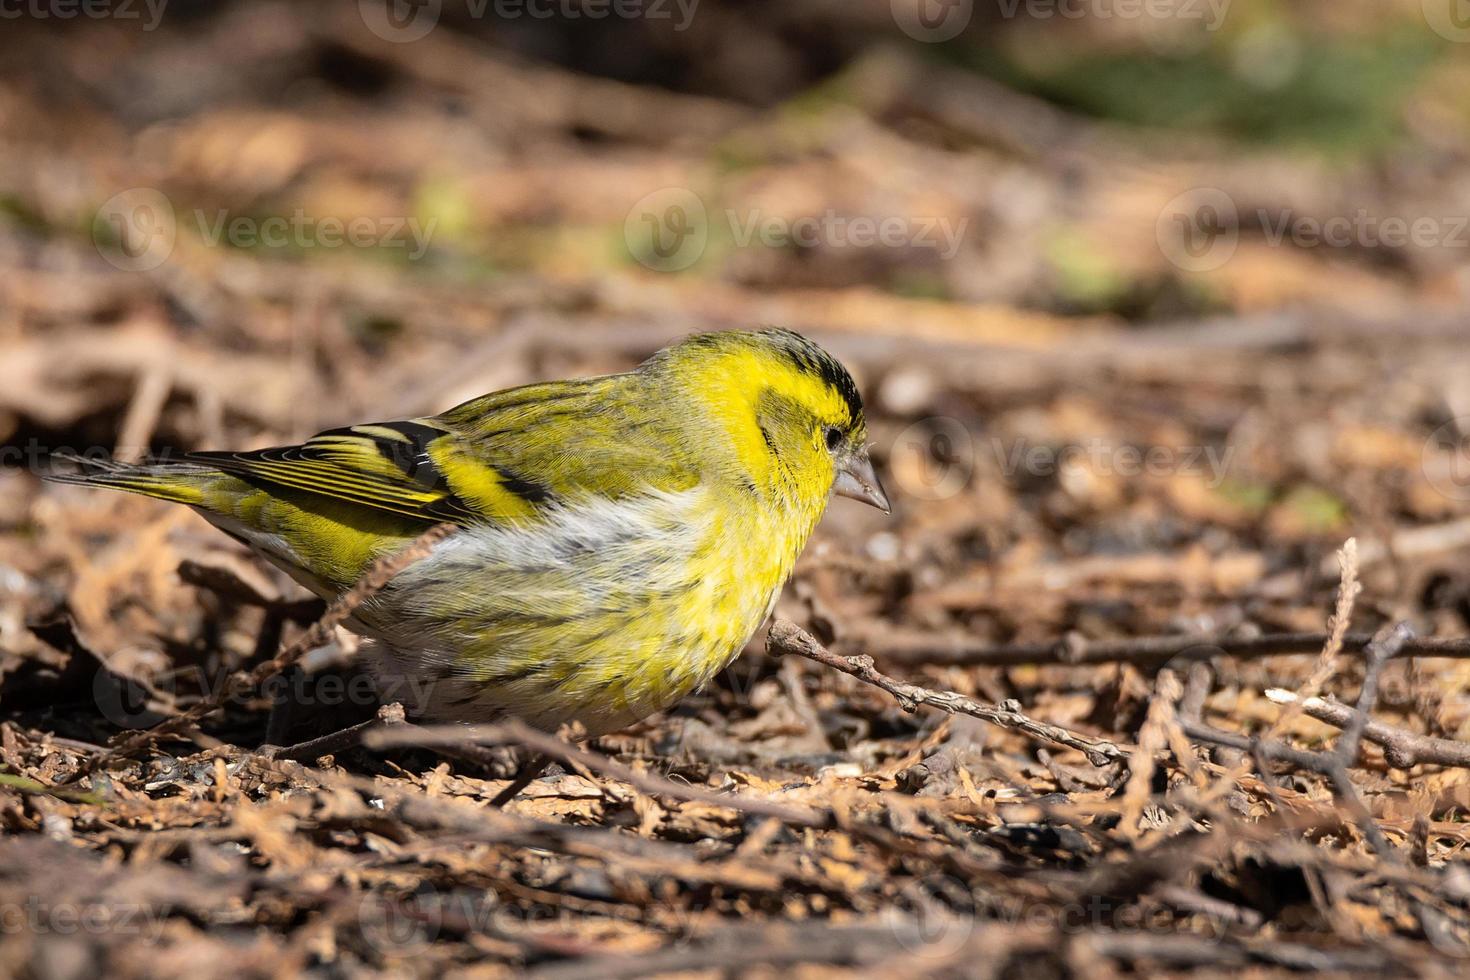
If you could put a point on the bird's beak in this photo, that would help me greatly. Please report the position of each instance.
(856, 479)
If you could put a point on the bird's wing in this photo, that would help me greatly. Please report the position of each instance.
(504, 457)
(384, 466)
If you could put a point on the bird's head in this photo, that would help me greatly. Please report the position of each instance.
(790, 411)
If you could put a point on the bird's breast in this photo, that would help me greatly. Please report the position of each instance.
(609, 613)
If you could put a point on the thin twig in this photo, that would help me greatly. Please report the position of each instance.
(1346, 751)
(1152, 738)
(1075, 650)
(1334, 764)
(1347, 594)
(1402, 749)
(787, 637)
(512, 732)
(338, 741)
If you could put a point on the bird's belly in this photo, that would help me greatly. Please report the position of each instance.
(662, 599)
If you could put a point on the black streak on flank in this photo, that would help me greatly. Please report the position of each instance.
(528, 490)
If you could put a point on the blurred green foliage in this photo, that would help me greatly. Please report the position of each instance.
(1342, 95)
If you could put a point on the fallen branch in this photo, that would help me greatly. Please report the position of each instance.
(511, 732)
(1333, 764)
(1401, 749)
(787, 637)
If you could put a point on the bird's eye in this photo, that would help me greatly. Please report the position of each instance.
(834, 437)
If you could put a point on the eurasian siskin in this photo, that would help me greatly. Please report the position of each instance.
(622, 537)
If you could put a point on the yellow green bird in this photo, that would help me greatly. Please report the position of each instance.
(621, 537)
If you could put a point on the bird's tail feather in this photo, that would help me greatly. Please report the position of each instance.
(182, 483)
